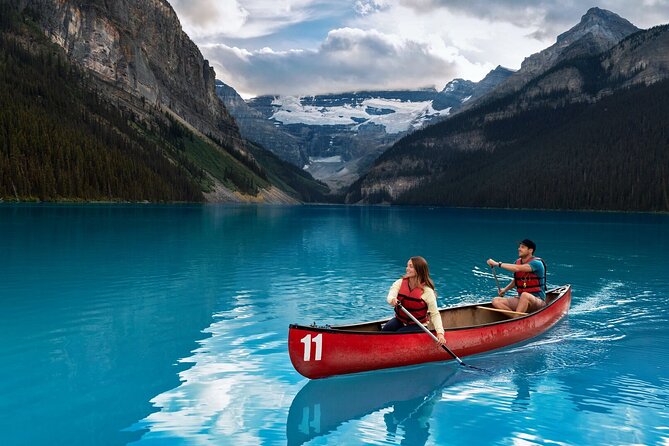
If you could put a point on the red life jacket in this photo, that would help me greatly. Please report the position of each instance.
(411, 300)
(527, 281)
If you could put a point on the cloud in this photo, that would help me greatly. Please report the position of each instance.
(550, 16)
(202, 17)
(365, 7)
(479, 40)
(247, 19)
(319, 46)
(347, 60)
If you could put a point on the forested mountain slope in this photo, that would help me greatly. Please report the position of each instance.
(67, 132)
(589, 133)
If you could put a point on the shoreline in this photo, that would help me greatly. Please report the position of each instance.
(28, 203)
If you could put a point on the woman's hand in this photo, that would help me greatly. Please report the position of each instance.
(441, 339)
(393, 302)
(491, 263)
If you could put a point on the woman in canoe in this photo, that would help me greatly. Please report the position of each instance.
(415, 291)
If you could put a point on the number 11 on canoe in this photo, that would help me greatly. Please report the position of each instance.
(317, 341)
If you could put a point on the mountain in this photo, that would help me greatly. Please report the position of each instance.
(336, 137)
(491, 81)
(585, 133)
(140, 49)
(122, 106)
(459, 92)
(454, 94)
(256, 127)
(597, 31)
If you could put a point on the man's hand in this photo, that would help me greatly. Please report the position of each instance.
(491, 263)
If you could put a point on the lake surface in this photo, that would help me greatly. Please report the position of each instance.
(168, 325)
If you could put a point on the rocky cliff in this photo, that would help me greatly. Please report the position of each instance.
(254, 126)
(640, 59)
(135, 77)
(140, 48)
(597, 31)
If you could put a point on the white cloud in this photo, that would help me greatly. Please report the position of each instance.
(348, 59)
(365, 7)
(549, 15)
(481, 41)
(380, 44)
(244, 19)
(203, 17)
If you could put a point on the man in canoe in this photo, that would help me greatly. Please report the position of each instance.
(415, 291)
(529, 278)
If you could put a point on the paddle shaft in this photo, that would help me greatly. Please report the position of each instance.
(499, 290)
(411, 316)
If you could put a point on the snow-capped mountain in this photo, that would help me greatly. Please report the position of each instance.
(395, 111)
(338, 136)
(342, 134)
(393, 114)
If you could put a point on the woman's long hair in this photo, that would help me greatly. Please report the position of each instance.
(422, 271)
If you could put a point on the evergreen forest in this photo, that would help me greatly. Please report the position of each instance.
(611, 155)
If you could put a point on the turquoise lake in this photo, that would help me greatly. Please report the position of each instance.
(168, 325)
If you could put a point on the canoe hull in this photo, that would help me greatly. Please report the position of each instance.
(321, 352)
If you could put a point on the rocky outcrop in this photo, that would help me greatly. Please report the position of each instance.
(640, 59)
(140, 48)
(453, 94)
(491, 81)
(256, 127)
(597, 31)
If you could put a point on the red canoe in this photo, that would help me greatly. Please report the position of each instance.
(319, 352)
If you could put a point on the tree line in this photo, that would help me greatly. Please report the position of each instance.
(613, 154)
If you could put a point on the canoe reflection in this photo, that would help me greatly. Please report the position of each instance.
(321, 406)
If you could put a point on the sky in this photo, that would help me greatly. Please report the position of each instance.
(308, 47)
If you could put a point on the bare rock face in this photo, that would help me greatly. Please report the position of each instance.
(256, 127)
(641, 59)
(140, 48)
(597, 31)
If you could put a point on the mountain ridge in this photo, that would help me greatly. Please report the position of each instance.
(431, 159)
(597, 31)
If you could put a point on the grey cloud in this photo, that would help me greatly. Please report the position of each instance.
(199, 12)
(364, 7)
(549, 16)
(347, 60)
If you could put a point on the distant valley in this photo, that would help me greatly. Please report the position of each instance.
(337, 137)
